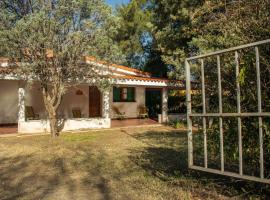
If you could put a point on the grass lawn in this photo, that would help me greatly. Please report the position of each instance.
(131, 163)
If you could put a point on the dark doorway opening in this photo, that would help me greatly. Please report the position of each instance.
(153, 101)
(94, 102)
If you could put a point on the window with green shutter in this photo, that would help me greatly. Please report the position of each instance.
(116, 94)
(123, 94)
(130, 94)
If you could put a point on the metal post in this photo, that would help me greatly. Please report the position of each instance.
(220, 111)
(106, 104)
(189, 121)
(204, 118)
(21, 103)
(239, 120)
(164, 107)
(259, 110)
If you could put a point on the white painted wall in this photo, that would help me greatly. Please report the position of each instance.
(43, 126)
(130, 108)
(8, 101)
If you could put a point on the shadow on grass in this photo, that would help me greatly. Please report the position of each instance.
(18, 182)
(165, 157)
(32, 177)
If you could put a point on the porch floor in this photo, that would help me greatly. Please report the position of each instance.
(8, 129)
(132, 122)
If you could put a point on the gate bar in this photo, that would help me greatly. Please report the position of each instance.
(189, 121)
(232, 174)
(230, 49)
(204, 118)
(220, 118)
(262, 114)
(259, 110)
(239, 120)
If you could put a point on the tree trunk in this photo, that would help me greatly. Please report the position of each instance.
(52, 101)
(53, 124)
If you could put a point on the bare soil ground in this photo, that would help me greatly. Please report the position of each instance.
(129, 163)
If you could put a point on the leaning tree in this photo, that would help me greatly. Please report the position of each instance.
(47, 43)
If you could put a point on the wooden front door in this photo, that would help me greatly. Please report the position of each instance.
(94, 102)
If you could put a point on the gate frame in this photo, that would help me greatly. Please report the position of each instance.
(221, 114)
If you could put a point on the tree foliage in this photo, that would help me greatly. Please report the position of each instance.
(168, 27)
(172, 32)
(134, 24)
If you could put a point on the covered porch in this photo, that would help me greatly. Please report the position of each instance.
(82, 107)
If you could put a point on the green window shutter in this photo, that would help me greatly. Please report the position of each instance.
(116, 94)
(130, 94)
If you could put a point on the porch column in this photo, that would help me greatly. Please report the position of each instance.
(106, 104)
(164, 105)
(21, 103)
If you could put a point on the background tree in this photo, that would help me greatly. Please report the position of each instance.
(134, 25)
(47, 45)
(166, 32)
(172, 32)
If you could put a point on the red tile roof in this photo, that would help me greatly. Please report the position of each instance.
(144, 76)
(93, 59)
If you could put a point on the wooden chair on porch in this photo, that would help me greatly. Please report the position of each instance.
(143, 111)
(119, 115)
(77, 113)
(30, 114)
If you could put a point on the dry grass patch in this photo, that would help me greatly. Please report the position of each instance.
(141, 163)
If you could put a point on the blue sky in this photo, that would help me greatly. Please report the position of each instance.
(116, 2)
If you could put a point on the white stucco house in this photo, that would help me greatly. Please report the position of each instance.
(127, 93)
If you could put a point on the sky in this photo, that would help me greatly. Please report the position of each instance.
(116, 2)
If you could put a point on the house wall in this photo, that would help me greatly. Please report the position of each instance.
(130, 108)
(8, 101)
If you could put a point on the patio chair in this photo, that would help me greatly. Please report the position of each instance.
(143, 111)
(119, 115)
(30, 114)
(77, 113)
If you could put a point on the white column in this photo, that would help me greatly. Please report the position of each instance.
(164, 105)
(21, 103)
(106, 104)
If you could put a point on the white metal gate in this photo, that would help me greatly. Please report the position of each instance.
(221, 115)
